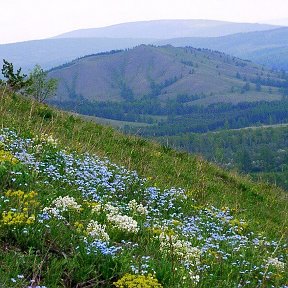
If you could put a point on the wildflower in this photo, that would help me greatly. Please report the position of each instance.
(65, 203)
(138, 208)
(79, 226)
(52, 140)
(7, 157)
(183, 249)
(130, 281)
(20, 276)
(279, 265)
(97, 231)
(112, 210)
(98, 246)
(123, 223)
(95, 206)
(51, 211)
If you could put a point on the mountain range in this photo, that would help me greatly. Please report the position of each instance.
(266, 45)
(165, 29)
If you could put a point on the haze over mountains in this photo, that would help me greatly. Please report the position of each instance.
(66, 47)
(163, 29)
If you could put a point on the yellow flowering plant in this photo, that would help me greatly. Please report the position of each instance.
(20, 208)
(6, 156)
(139, 281)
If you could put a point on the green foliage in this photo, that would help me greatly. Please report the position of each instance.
(37, 85)
(45, 112)
(259, 151)
(41, 88)
(16, 81)
(150, 161)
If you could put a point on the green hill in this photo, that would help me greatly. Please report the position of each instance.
(163, 73)
(166, 89)
(73, 219)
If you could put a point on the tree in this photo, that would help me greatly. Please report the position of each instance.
(16, 81)
(41, 88)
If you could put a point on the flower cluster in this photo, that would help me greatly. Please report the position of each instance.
(143, 281)
(6, 156)
(46, 138)
(97, 231)
(137, 208)
(274, 262)
(59, 205)
(181, 248)
(188, 255)
(66, 203)
(123, 222)
(19, 208)
(200, 239)
(142, 265)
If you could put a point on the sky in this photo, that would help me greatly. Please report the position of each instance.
(22, 20)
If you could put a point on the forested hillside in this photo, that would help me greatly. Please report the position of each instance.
(259, 151)
(166, 89)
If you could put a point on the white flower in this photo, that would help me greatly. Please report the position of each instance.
(97, 231)
(96, 209)
(276, 263)
(194, 278)
(65, 203)
(51, 140)
(53, 212)
(111, 209)
(138, 208)
(45, 138)
(181, 248)
(123, 222)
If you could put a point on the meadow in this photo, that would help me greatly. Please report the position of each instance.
(85, 206)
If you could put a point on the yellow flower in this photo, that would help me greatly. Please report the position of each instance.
(6, 156)
(139, 281)
(30, 219)
(22, 206)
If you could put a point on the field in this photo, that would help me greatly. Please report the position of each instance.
(85, 206)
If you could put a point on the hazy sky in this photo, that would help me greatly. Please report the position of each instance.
(35, 19)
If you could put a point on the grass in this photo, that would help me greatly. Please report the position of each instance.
(215, 229)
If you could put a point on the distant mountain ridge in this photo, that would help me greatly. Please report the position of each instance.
(263, 47)
(267, 47)
(53, 52)
(163, 29)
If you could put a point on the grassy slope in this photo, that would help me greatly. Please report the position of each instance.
(263, 206)
(99, 77)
